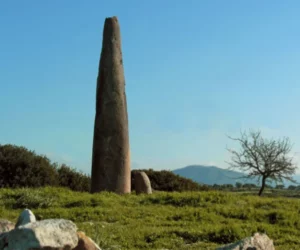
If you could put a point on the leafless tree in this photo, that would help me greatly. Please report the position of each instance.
(266, 159)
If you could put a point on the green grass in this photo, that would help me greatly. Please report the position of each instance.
(190, 220)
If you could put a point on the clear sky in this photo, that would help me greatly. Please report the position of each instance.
(195, 71)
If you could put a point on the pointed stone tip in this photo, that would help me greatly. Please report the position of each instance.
(111, 19)
(111, 23)
(111, 30)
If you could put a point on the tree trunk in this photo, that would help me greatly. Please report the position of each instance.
(263, 183)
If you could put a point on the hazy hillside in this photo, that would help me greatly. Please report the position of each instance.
(213, 175)
(209, 174)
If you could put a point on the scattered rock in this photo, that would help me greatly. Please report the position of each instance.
(3, 240)
(61, 234)
(47, 234)
(85, 243)
(256, 242)
(51, 234)
(25, 217)
(142, 183)
(6, 225)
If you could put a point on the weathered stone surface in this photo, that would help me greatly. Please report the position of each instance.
(256, 242)
(142, 183)
(111, 159)
(85, 243)
(3, 240)
(25, 217)
(6, 225)
(47, 234)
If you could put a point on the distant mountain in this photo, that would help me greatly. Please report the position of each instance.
(211, 175)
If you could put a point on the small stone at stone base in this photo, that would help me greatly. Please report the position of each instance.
(256, 242)
(142, 183)
(85, 243)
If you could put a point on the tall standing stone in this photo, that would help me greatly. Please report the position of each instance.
(111, 159)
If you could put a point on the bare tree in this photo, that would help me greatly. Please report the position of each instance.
(263, 158)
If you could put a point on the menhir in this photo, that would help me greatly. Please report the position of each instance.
(111, 158)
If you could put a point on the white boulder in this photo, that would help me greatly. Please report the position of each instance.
(25, 217)
(48, 234)
(257, 241)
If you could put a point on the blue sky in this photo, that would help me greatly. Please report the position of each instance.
(195, 71)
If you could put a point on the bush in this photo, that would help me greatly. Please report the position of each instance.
(292, 187)
(32, 199)
(20, 167)
(168, 181)
(76, 181)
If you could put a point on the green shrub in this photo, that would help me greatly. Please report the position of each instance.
(225, 235)
(33, 199)
(20, 167)
(168, 181)
(76, 181)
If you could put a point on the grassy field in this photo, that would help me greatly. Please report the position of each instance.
(190, 220)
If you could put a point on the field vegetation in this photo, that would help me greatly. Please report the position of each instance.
(163, 220)
(180, 214)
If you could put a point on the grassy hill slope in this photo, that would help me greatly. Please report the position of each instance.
(188, 220)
